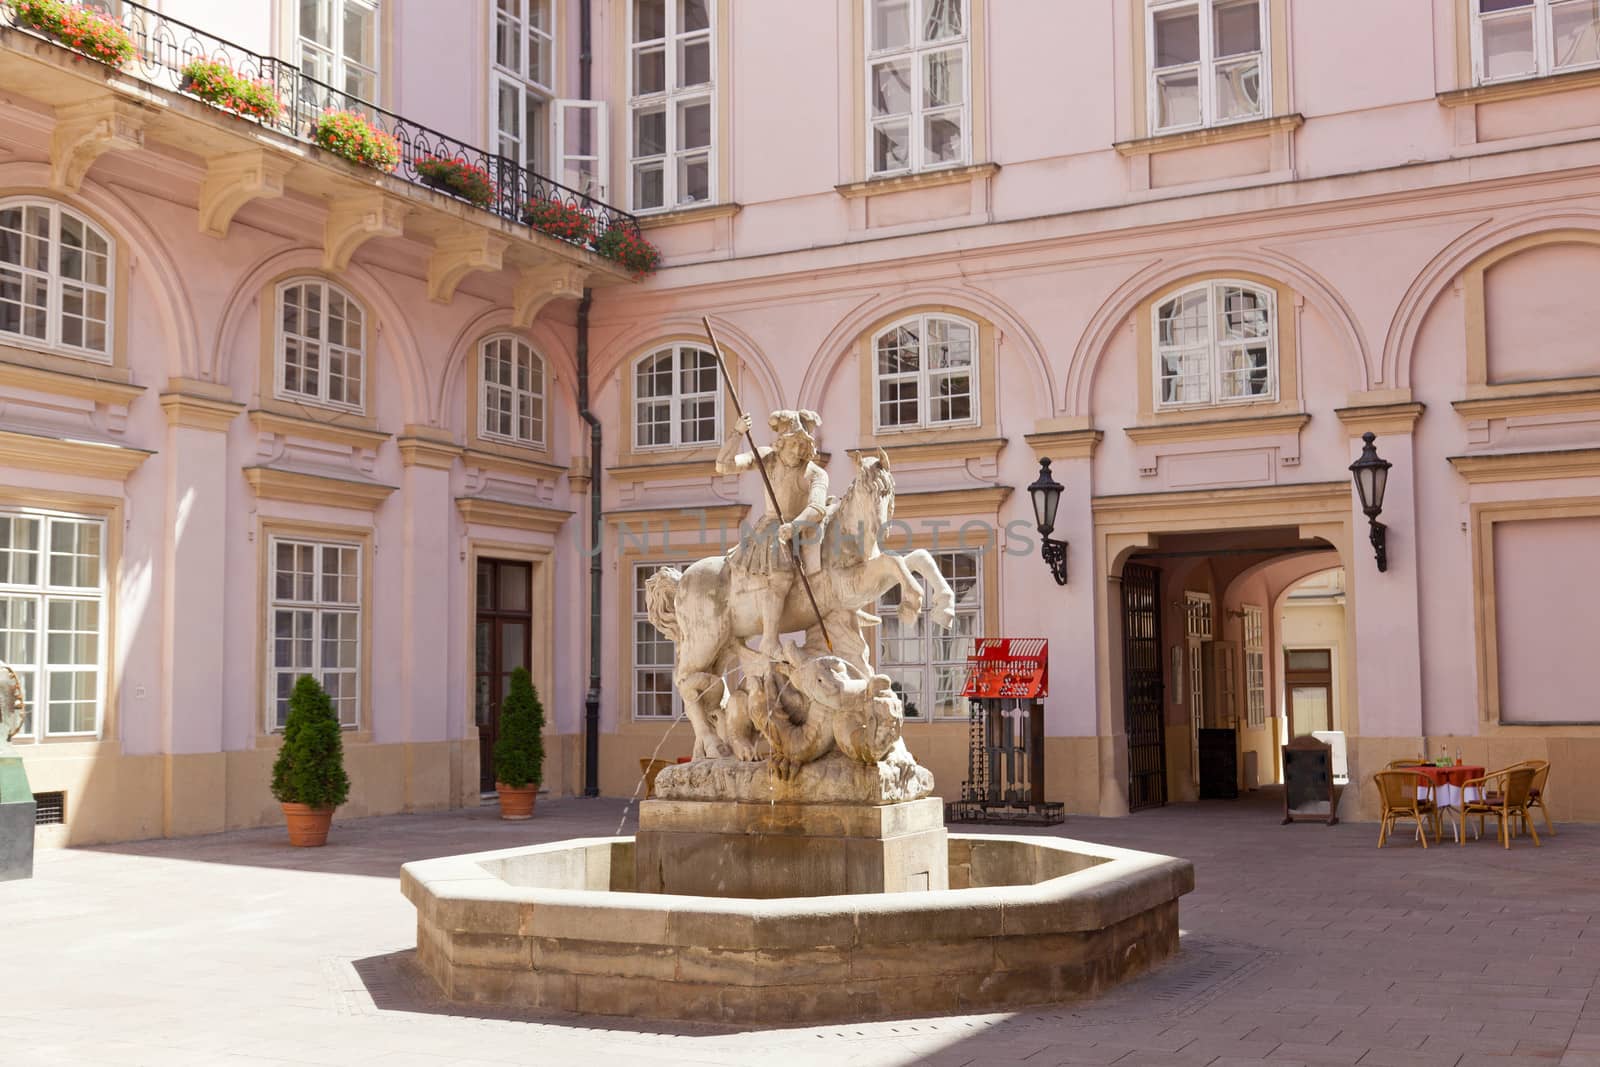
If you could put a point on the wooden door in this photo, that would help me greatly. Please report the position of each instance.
(503, 641)
(1142, 687)
(1308, 683)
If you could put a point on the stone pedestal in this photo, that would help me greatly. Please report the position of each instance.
(735, 848)
(16, 817)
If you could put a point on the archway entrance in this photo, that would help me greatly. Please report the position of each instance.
(1193, 701)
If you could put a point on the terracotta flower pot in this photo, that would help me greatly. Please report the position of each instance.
(516, 803)
(308, 826)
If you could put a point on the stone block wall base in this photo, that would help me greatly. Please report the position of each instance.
(16, 840)
(762, 851)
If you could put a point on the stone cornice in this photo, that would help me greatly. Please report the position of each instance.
(1065, 444)
(1380, 418)
(685, 519)
(332, 433)
(928, 179)
(64, 383)
(481, 511)
(1517, 90)
(525, 467)
(63, 455)
(684, 216)
(979, 500)
(670, 470)
(271, 483)
(1217, 429)
(955, 448)
(428, 452)
(1528, 466)
(199, 412)
(1529, 404)
(1334, 497)
(1237, 131)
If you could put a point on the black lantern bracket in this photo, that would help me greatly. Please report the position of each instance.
(1380, 546)
(1055, 555)
(1371, 474)
(1046, 495)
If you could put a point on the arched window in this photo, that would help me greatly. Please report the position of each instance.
(55, 278)
(925, 373)
(511, 404)
(677, 398)
(322, 345)
(1216, 343)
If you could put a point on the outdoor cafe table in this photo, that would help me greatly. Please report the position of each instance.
(1447, 787)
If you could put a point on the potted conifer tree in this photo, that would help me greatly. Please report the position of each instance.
(519, 750)
(308, 776)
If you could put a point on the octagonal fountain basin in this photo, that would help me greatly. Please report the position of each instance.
(1027, 920)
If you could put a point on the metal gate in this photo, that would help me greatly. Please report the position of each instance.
(1141, 686)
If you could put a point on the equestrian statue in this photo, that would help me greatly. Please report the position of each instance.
(811, 563)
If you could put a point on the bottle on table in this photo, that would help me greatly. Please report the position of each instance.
(1458, 755)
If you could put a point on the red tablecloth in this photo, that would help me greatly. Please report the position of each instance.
(1455, 776)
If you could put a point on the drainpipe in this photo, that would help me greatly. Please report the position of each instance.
(591, 700)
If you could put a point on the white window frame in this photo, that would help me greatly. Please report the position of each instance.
(1543, 14)
(926, 377)
(888, 607)
(915, 50)
(280, 388)
(318, 607)
(669, 101)
(56, 283)
(334, 49)
(1255, 666)
(566, 164)
(1206, 67)
(636, 616)
(535, 146)
(486, 388)
(1215, 344)
(676, 400)
(42, 593)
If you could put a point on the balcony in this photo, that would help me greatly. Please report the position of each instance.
(100, 108)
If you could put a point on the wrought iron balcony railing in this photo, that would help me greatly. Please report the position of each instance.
(163, 46)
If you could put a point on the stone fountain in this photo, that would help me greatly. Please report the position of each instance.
(798, 868)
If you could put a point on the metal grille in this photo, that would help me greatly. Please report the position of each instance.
(51, 809)
(1141, 686)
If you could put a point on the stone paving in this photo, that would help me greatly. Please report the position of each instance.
(1302, 944)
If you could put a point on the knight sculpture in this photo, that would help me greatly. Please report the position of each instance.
(810, 563)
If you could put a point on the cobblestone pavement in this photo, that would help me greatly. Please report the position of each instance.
(1302, 944)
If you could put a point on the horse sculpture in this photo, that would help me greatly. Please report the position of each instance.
(711, 614)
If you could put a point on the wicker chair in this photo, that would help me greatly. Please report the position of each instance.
(1406, 795)
(1503, 795)
(650, 768)
(1536, 791)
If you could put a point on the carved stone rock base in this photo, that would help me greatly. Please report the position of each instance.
(834, 779)
(720, 848)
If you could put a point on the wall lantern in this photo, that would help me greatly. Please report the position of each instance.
(1372, 477)
(1046, 493)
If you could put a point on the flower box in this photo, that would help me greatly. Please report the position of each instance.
(83, 29)
(349, 134)
(221, 86)
(458, 177)
(623, 243)
(558, 218)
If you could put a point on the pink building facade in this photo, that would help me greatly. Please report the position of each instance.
(263, 411)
